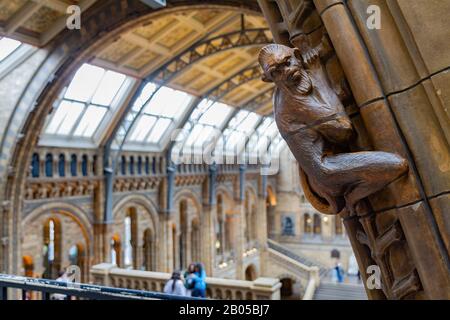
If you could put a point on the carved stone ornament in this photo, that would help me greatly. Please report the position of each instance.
(312, 120)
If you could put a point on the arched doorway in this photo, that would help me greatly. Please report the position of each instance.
(287, 289)
(250, 273)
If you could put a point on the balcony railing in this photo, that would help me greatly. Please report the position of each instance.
(45, 290)
(217, 288)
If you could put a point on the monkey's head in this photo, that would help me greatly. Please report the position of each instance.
(283, 65)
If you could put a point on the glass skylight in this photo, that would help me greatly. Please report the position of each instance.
(207, 122)
(90, 95)
(164, 109)
(263, 137)
(7, 47)
(238, 132)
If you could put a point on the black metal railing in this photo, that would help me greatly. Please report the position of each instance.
(48, 288)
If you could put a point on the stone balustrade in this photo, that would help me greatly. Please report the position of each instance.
(217, 288)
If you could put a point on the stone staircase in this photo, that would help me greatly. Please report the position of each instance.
(297, 257)
(340, 291)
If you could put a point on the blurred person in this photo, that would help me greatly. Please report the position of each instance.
(175, 285)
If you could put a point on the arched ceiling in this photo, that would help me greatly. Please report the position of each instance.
(142, 50)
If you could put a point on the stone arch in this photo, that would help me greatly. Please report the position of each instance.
(71, 221)
(65, 54)
(144, 220)
(187, 220)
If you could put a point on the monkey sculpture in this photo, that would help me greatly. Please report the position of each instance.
(312, 120)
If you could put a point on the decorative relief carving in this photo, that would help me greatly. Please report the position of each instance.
(38, 190)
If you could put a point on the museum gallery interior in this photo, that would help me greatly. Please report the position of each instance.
(227, 149)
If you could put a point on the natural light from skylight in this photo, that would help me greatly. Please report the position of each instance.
(92, 92)
(7, 47)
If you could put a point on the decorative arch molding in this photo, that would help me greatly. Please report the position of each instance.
(66, 53)
(141, 200)
(250, 187)
(189, 195)
(227, 195)
(68, 210)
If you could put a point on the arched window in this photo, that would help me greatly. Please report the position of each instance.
(131, 165)
(35, 172)
(128, 249)
(52, 248)
(73, 165)
(129, 238)
(49, 165)
(62, 165)
(84, 165)
(147, 165)
(123, 166)
(139, 165)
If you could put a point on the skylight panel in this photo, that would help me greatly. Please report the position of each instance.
(84, 83)
(216, 115)
(7, 47)
(159, 129)
(65, 117)
(249, 123)
(168, 102)
(143, 127)
(90, 121)
(108, 88)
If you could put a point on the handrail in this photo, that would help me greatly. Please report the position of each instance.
(80, 290)
(310, 289)
(301, 259)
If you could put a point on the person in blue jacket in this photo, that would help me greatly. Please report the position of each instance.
(200, 282)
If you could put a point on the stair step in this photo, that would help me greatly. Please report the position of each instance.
(340, 291)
